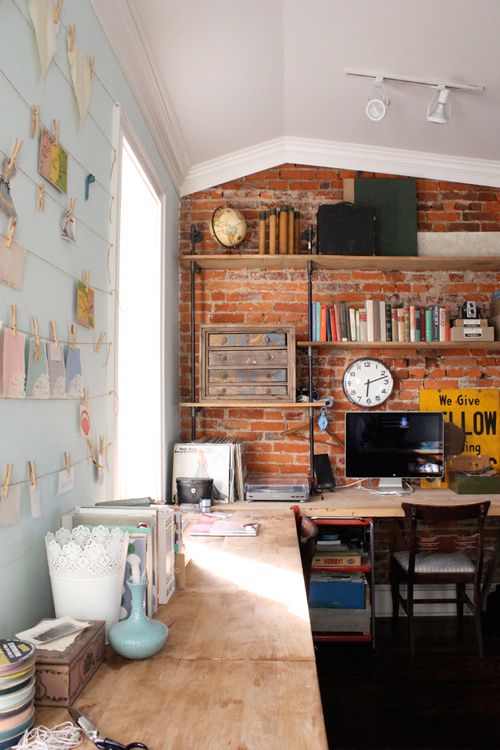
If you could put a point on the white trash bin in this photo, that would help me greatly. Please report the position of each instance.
(87, 568)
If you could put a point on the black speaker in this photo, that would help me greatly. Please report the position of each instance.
(323, 471)
(346, 229)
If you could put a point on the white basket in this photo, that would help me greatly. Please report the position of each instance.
(86, 569)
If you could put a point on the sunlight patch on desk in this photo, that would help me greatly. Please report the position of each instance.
(265, 580)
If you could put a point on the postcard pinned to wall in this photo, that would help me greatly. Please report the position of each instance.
(10, 506)
(35, 503)
(53, 161)
(66, 480)
(11, 263)
(85, 305)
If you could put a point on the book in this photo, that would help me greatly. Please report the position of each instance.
(328, 325)
(222, 527)
(394, 324)
(333, 324)
(417, 322)
(336, 559)
(352, 324)
(372, 320)
(422, 323)
(428, 324)
(382, 319)
(362, 325)
(406, 323)
(322, 322)
(206, 460)
(388, 322)
(412, 322)
(344, 323)
(401, 323)
(435, 322)
(337, 321)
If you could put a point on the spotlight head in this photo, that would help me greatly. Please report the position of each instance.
(439, 111)
(378, 101)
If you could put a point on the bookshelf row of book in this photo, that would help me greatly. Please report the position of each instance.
(378, 320)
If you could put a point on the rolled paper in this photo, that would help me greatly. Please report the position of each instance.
(290, 231)
(272, 231)
(283, 230)
(262, 232)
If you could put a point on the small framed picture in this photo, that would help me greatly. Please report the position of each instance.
(53, 161)
(85, 305)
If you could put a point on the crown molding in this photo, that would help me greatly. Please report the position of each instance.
(341, 155)
(123, 29)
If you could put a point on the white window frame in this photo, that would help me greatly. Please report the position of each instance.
(127, 132)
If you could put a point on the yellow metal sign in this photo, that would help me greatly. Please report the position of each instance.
(476, 411)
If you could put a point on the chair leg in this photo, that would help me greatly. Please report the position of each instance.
(460, 606)
(411, 625)
(478, 630)
(394, 594)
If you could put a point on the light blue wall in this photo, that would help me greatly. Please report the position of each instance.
(43, 430)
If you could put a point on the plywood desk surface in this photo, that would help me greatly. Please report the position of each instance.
(356, 502)
(238, 670)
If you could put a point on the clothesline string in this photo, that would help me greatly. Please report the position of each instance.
(27, 104)
(28, 21)
(58, 471)
(58, 398)
(111, 292)
(61, 341)
(51, 197)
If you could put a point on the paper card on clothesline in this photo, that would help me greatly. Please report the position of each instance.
(10, 506)
(11, 263)
(36, 506)
(66, 479)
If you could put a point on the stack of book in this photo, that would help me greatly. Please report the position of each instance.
(381, 321)
(219, 459)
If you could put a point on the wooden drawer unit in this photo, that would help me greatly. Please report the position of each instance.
(248, 363)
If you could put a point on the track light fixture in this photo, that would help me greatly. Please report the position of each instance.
(438, 110)
(378, 101)
(439, 107)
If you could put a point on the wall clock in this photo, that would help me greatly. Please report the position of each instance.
(367, 382)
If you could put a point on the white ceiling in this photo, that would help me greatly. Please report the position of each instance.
(229, 87)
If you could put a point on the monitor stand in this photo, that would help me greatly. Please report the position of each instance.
(391, 486)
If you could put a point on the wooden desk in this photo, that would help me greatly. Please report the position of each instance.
(355, 502)
(238, 670)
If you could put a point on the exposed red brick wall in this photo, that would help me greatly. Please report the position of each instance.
(281, 297)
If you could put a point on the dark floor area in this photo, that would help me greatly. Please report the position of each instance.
(446, 697)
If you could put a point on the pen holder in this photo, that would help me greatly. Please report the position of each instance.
(138, 637)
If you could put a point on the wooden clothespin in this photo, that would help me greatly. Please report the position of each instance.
(36, 334)
(57, 11)
(91, 66)
(35, 120)
(11, 163)
(53, 332)
(32, 474)
(40, 203)
(55, 132)
(86, 279)
(67, 463)
(73, 335)
(13, 319)
(7, 476)
(102, 447)
(99, 341)
(92, 454)
(85, 398)
(71, 38)
(11, 230)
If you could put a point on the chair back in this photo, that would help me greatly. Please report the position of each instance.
(307, 532)
(456, 540)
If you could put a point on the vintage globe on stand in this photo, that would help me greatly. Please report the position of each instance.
(227, 226)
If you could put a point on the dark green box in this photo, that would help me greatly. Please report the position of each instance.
(463, 484)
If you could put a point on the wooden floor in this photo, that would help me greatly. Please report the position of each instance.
(446, 697)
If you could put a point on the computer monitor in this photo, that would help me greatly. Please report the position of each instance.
(394, 445)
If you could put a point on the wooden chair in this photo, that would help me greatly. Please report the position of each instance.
(434, 559)
(307, 532)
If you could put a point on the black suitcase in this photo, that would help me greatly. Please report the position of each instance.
(346, 229)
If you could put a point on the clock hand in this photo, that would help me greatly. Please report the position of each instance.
(374, 381)
(367, 386)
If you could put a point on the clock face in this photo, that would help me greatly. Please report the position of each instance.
(367, 382)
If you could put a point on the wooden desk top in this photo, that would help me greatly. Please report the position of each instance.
(356, 502)
(238, 670)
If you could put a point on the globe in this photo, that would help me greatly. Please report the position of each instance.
(227, 226)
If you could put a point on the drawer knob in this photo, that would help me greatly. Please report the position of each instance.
(251, 361)
(269, 357)
(224, 358)
(224, 375)
(268, 339)
(268, 390)
(224, 340)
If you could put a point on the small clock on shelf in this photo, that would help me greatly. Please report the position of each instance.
(367, 382)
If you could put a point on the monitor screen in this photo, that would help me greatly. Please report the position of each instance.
(402, 444)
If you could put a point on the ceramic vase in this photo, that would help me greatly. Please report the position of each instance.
(138, 637)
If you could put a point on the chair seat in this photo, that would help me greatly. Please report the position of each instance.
(437, 562)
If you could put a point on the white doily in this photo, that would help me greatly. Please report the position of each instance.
(41, 388)
(16, 386)
(84, 552)
(59, 387)
(75, 387)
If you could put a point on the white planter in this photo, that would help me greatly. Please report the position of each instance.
(86, 569)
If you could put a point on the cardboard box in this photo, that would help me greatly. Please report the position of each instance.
(472, 333)
(338, 591)
(62, 675)
(327, 620)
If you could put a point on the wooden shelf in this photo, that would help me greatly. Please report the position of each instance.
(346, 262)
(401, 344)
(252, 404)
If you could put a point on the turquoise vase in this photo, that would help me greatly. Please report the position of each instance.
(138, 637)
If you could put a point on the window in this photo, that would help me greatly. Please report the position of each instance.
(139, 464)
